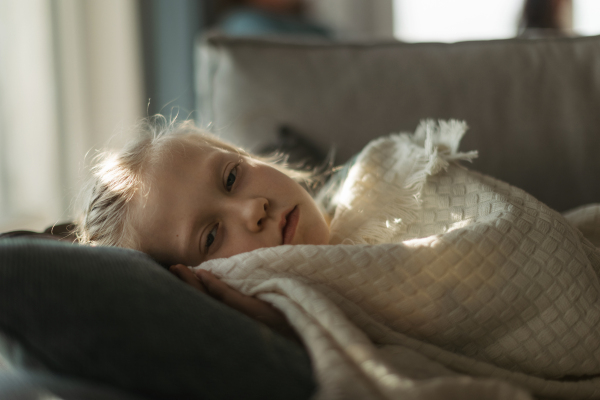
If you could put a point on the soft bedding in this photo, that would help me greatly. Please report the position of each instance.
(442, 283)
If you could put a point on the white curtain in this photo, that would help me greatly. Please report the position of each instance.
(70, 83)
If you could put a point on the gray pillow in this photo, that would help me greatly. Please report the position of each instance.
(26, 385)
(117, 318)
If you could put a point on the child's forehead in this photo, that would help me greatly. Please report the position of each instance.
(182, 156)
(181, 163)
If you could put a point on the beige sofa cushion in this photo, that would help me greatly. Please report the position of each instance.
(533, 106)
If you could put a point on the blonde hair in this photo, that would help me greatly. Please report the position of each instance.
(106, 215)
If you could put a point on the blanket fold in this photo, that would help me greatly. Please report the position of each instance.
(442, 282)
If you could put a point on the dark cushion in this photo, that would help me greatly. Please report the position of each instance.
(27, 385)
(116, 317)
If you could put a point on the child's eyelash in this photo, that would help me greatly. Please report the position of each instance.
(231, 177)
(210, 238)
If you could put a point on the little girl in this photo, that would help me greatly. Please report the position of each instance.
(438, 270)
(184, 197)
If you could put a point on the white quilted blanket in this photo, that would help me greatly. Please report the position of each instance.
(441, 283)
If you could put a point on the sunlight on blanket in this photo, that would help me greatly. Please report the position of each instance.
(458, 225)
(428, 241)
(395, 221)
(378, 370)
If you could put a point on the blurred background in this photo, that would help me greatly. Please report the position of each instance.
(76, 75)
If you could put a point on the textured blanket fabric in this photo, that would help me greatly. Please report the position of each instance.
(441, 283)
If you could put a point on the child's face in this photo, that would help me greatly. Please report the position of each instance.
(207, 203)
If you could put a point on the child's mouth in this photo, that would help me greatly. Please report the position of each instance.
(291, 222)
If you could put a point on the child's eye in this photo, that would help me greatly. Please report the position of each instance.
(231, 178)
(212, 235)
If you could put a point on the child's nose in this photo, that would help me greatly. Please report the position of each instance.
(254, 212)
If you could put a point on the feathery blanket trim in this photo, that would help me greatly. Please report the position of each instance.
(429, 150)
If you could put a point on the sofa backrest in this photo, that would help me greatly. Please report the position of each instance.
(533, 106)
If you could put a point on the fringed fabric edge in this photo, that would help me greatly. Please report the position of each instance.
(433, 146)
